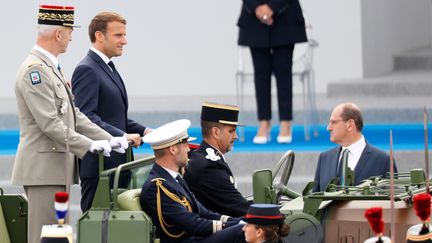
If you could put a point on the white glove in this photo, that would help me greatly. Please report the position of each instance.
(119, 144)
(101, 145)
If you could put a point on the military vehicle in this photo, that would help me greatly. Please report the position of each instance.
(337, 215)
(333, 216)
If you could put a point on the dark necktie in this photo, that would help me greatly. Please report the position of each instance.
(112, 66)
(181, 182)
(114, 70)
(117, 75)
(344, 163)
(58, 67)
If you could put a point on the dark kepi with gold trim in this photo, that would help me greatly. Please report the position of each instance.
(56, 15)
(224, 114)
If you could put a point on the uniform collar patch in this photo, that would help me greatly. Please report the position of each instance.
(211, 155)
(35, 78)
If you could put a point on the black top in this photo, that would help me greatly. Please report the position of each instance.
(288, 24)
(211, 180)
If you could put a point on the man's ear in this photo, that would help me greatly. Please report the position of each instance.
(98, 35)
(352, 124)
(172, 149)
(215, 131)
(58, 34)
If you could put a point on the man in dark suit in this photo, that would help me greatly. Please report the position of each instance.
(101, 94)
(166, 198)
(207, 173)
(345, 126)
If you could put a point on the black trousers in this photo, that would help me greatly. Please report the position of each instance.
(233, 234)
(277, 61)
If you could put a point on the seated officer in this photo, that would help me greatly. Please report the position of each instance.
(207, 173)
(165, 197)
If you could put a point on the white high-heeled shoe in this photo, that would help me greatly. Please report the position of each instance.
(284, 139)
(261, 139)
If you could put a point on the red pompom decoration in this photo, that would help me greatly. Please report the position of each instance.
(374, 217)
(422, 205)
(61, 197)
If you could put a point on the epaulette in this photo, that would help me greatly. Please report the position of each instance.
(158, 179)
(34, 63)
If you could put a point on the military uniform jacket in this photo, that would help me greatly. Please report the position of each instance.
(46, 110)
(199, 223)
(288, 24)
(211, 179)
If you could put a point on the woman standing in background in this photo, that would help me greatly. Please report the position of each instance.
(270, 28)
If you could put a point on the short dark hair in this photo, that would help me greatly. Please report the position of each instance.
(159, 153)
(206, 127)
(274, 232)
(351, 111)
(100, 22)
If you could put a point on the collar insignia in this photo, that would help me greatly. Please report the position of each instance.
(211, 155)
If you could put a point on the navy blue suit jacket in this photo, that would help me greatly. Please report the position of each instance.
(198, 223)
(101, 96)
(288, 24)
(372, 162)
(213, 183)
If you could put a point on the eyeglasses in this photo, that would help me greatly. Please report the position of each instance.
(334, 122)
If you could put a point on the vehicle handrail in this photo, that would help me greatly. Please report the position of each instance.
(126, 166)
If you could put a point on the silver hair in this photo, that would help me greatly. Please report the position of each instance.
(45, 30)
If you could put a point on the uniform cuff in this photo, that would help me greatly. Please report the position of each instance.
(224, 218)
(217, 226)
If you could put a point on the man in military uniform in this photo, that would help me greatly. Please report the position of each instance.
(207, 173)
(50, 125)
(165, 197)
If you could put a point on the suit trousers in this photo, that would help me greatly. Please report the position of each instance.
(89, 186)
(277, 61)
(40, 209)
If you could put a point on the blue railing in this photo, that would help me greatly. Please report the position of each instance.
(405, 137)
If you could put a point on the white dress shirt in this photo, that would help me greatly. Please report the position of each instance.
(103, 56)
(355, 151)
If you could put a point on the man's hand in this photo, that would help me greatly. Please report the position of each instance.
(135, 138)
(101, 145)
(119, 144)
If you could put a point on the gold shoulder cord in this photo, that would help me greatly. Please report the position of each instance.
(175, 198)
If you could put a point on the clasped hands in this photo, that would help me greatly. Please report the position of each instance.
(265, 14)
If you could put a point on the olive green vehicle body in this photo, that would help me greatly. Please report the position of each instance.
(337, 215)
(13, 218)
(332, 216)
